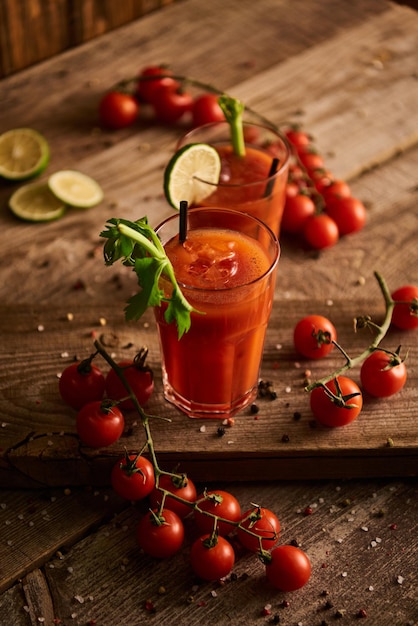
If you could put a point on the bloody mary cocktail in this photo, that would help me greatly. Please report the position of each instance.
(245, 182)
(226, 269)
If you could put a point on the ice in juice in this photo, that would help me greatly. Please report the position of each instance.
(229, 277)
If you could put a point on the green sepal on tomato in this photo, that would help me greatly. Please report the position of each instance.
(337, 403)
(100, 423)
(133, 477)
(180, 486)
(264, 526)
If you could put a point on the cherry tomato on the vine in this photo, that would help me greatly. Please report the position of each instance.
(334, 189)
(310, 159)
(151, 82)
(80, 383)
(289, 568)
(313, 336)
(298, 138)
(296, 211)
(344, 410)
(99, 424)
(118, 110)
(263, 523)
(138, 376)
(160, 536)
(405, 314)
(206, 110)
(321, 231)
(222, 504)
(132, 477)
(382, 374)
(348, 213)
(180, 486)
(170, 104)
(212, 559)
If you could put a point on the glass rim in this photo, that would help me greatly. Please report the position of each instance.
(273, 238)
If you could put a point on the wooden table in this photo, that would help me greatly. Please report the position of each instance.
(347, 72)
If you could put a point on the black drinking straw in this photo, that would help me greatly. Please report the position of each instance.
(273, 169)
(183, 221)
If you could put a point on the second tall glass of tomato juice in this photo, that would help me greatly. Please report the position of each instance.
(226, 269)
(246, 183)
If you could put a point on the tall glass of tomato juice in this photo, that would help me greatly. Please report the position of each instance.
(246, 183)
(226, 268)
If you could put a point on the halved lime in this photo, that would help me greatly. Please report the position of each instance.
(76, 189)
(24, 153)
(35, 202)
(188, 173)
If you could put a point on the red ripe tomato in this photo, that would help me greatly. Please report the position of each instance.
(289, 568)
(170, 104)
(80, 383)
(341, 411)
(405, 313)
(99, 424)
(206, 110)
(160, 535)
(335, 189)
(313, 336)
(298, 138)
(322, 179)
(348, 213)
(310, 160)
(321, 231)
(151, 82)
(263, 523)
(212, 559)
(138, 376)
(180, 486)
(222, 504)
(382, 374)
(296, 211)
(118, 110)
(132, 477)
(292, 190)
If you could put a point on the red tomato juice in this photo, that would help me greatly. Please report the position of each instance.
(213, 369)
(245, 184)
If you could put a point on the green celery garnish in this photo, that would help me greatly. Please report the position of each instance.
(233, 110)
(139, 247)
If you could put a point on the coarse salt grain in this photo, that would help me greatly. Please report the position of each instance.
(400, 580)
(202, 429)
(41, 328)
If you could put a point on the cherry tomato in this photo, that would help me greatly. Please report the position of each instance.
(296, 211)
(180, 486)
(292, 190)
(138, 376)
(337, 413)
(80, 383)
(206, 110)
(298, 138)
(212, 559)
(146, 88)
(348, 213)
(99, 424)
(118, 110)
(289, 568)
(383, 374)
(321, 231)
(313, 336)
(160, 536)
(170, 104)
(310, 160)
(322, 179)
(405, 314)
(264, 523)
(132, 477)
(334, 189)
(222, 504)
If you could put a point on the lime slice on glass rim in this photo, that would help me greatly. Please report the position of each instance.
(188, 172)
(35, 202)
(75, 189)
(24, 153)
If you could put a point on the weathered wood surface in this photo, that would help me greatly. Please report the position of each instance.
(347, 71)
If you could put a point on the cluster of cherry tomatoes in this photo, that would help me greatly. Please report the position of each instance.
(319, 208)
(168, 98)
(171, 497)
(99, 399)
(383, 373)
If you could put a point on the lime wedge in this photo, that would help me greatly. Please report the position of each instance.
(76, 189)
(23, 153)
(188, 172)
(35, 202)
